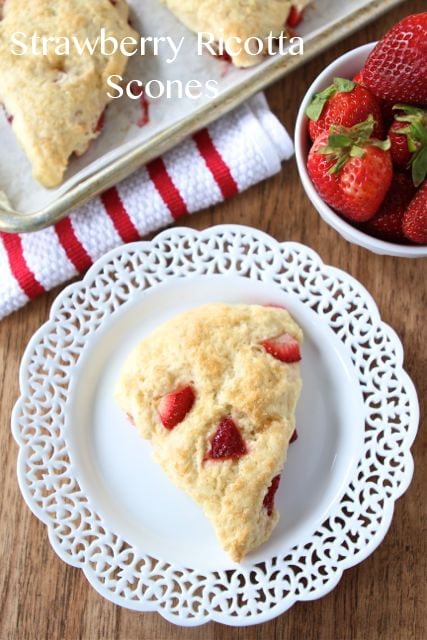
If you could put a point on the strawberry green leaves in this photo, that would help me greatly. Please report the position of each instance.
(340, 85)
(350, 142)
(414, 127)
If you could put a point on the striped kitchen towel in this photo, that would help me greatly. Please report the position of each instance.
(237, 151)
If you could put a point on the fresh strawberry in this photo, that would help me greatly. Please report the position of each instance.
(294, 18)
(408, 137)
(174, 406)
(400, 154)
(396, 69)
(386, 106)
(342, 103)
(284, 348)
(415, 218)
(227, 443)
(387, 222)
(351, 171)
(268, 502)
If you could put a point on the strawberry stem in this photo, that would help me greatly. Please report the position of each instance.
(340, 85)
(350, 142)
(415, 131)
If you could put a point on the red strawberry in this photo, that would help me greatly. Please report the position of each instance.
(415, 218)
(386, 106)
(294, 18)
(387, 223)
(268, 502)
(408, 137)
(284, 348)
(396, 69)
(343, 103)
(174, 406)
(227, 443)
(351, 171)
(400, 153)
(294, 437)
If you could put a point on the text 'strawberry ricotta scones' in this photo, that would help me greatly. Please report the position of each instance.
(243, 19)
(55, 101)
(215, 390)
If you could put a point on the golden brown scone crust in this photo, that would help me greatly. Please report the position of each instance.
(239, 18)
(56, 101)
(216, 348)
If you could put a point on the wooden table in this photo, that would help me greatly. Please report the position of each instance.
(382, 598)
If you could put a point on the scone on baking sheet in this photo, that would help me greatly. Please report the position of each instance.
(237, 18)
(55, 101)
(215, 390)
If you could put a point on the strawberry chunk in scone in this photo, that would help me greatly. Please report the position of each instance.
(174, 406)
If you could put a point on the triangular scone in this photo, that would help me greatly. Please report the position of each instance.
(55, 101)
(215, 390)
(226, 19)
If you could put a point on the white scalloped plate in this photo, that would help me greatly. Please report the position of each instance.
(111, 511)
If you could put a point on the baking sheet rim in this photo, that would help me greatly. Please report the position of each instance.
(15, 222)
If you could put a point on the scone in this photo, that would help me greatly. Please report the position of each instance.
(215, 390)
(55, 101)
(243, 19)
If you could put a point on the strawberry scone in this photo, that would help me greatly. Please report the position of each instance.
(215, 390)
(238, 22)
(54, 102)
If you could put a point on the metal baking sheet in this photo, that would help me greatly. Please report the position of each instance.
(125, 145)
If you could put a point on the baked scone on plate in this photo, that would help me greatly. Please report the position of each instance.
(55, 101)
(215, 390)
(243, 19)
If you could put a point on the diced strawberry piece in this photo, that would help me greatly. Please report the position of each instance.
(294, 437)
(294, 18)
(225, 56)
(227, 443)
(9, 118)
(284, 348)
(268, 502)
(100, 124)
(144, 105)
(145, 111)
(174, 406)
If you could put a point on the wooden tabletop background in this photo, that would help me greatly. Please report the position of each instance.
(384, 598)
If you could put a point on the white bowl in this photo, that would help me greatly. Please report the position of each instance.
(345, 66)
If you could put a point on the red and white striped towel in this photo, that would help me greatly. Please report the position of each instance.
(237, 151)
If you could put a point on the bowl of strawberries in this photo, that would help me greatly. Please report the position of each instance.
(361, 142)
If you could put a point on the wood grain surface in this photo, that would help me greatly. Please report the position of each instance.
(384, 598)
